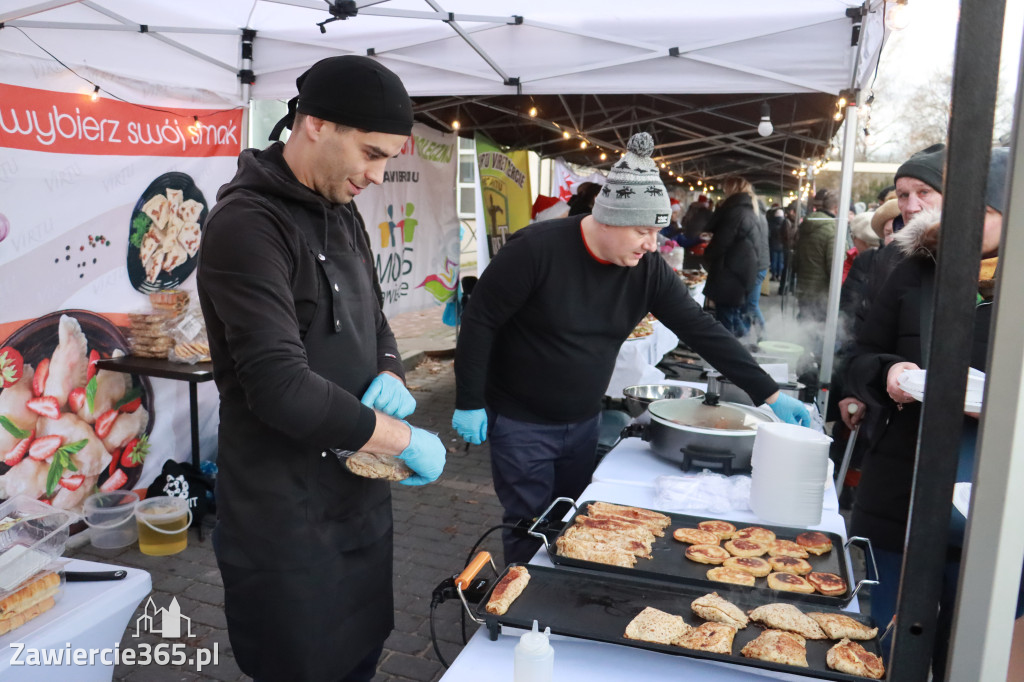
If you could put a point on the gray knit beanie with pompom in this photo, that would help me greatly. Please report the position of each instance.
(633, 195)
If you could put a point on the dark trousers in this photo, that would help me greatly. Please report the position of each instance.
(533, 464)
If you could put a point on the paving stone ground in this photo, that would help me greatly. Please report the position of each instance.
(435, 527)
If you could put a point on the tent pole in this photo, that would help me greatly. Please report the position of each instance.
(838, 254)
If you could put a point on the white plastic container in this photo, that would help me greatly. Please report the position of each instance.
(534, 657)
(111, 516)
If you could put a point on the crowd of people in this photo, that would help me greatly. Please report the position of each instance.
(307, 366)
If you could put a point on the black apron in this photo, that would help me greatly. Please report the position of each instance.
(309, 595)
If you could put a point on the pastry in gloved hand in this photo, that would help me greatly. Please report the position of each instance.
(424, 455)
(471, 425)
(389, 395)
(790, 410)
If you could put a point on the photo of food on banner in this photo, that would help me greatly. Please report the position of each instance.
(67, 427)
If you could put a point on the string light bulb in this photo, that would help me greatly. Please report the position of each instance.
(456, 125)
(95, 93)
(603, 156)
(566, 135)
(583, 144)
(679, 178)
(698, 182)
(765, 127)
(533, 112)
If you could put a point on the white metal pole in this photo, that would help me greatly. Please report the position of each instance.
(838, 254)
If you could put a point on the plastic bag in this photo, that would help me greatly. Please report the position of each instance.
(189, 336)
(703, 491)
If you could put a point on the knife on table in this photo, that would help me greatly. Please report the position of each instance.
(90, 576)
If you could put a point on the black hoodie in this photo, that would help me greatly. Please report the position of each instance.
(288, 289)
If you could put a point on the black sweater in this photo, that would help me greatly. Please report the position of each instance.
(545, 322)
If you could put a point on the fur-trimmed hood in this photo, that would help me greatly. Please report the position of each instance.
(920, 237)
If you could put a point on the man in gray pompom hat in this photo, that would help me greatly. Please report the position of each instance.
(542, 331)
(633, 193)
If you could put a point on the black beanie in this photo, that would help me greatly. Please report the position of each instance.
(995, 189)
(353, 91)
(927, 165)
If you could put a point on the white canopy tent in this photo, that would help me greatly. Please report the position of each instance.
(194, 47)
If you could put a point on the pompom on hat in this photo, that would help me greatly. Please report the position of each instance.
(353, 91)
(633, 195)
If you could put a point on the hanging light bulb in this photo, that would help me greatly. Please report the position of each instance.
(838, 116)
(566, 135)
(603, 156)
(662, 164)
(711, 188)
(698, 182)
(533, 112)
(670, 172)
(897, 16)
(583, 144)
(679, 178)
(691, 188)
(456, 125)
(765, 127)
(95, 93)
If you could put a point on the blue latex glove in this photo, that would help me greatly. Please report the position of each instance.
(790, 410)
(390, 396)
(424, 455)
(471, 425)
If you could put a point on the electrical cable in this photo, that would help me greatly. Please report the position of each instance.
(134, 104)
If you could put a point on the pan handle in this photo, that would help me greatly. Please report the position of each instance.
(532, 530)
(872, 578)
(465, 579)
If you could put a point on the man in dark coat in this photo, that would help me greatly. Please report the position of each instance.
(543, 328)
(307, 367)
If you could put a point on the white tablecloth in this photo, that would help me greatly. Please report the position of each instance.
(637, 358)
(88, 615)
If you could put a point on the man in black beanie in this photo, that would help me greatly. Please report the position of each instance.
(919, 183)
(307, 367)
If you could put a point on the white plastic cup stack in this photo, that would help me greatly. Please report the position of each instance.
(789, 465)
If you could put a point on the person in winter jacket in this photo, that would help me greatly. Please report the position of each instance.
(888, 344)
(814, 257)
(776, 242)
(754, 316)
(306, 364)
(731, 257)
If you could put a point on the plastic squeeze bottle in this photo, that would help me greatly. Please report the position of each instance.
(534, 657)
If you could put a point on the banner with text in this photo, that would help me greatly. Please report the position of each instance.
(103, 204)
(505, 190)
(413, 224)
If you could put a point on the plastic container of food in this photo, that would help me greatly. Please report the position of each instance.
(32, 534)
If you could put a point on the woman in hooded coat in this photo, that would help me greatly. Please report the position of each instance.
(731, 256)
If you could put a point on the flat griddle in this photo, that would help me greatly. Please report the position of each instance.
(598, 606)
(669, 562)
